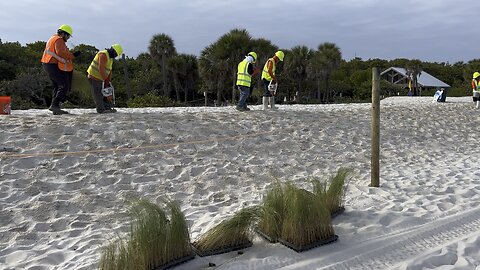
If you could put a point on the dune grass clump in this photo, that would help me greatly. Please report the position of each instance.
(156, 239)
(331, 192)
(235, 231)
(117, 256)
(307, 221)
(272, 213)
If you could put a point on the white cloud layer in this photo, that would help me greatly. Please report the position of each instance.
(429, 30)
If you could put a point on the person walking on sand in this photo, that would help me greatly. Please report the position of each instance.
(57, 62)
(476, 89)
(100, 76)
(269, 77)
(245, 72)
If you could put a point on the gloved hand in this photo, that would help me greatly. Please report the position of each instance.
(77, 53)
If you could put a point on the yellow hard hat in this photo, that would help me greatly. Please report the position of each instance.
(66, 28)
(476, 75)
(118, 49)
(280, 55)
(254, 55)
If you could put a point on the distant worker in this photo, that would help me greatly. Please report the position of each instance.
(476, 89)
(269, 79)
(57, 62)
(100, 77)
(245, 72)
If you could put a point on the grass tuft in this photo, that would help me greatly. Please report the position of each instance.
(273, 212)
(307, 220)
(155, 239)
(234, 231)
(331, 192)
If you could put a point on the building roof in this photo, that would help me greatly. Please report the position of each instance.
(424, 79)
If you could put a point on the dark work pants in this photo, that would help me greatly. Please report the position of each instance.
(266, 92)
(101, 102)
(61, 80)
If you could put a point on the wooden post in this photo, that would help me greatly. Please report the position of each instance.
(125, 76)
(375, 166)
(205, 95)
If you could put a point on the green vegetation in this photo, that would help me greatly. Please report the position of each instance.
(151, 100)
(155, 239)
(312, 75)
(331, 192)
(307, 220)
(301, 217)
(81, 93)
(232, 232)
(273, 212)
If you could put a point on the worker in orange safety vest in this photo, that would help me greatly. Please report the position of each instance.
(57, 62)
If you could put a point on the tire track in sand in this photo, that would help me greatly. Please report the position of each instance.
(397, 247)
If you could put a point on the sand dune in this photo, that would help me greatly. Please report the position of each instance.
(65, 182)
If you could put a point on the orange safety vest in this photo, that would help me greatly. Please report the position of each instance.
(49, 52)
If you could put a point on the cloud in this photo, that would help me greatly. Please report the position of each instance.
(430, 30)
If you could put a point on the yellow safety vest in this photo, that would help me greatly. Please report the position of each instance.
(265, 74)
(94, 71)
(243, 78)
(476, 85)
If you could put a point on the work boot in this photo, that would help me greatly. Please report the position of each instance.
(107, 111)
(59, 112)
(55, 108)
(245, 107)
(240, 108)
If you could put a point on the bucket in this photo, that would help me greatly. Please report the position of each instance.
(5, 105)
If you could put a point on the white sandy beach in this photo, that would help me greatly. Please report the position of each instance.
(65, 181)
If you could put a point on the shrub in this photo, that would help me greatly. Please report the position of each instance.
(152, 100)
(81, 92)
(28, 89)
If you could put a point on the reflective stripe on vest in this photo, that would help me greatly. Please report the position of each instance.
(265, 74)
(93, 69)
(49, 52)
(243, 78)
(476, 84)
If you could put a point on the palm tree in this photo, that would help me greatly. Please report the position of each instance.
(161, 48)
(327, 59)
(233, 47)
(184, 71)
(296, 67)
(221, 59)
(191, 74)
(176, 65)
(206, 68)
(414, 70)
(264, 49)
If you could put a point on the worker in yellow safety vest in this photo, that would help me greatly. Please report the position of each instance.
(57, 62)
(476, 89)
(269, 79)
(245, 73)
(100, 77)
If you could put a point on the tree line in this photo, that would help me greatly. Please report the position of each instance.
(164, 77)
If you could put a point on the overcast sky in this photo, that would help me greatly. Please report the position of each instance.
(429, 30)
